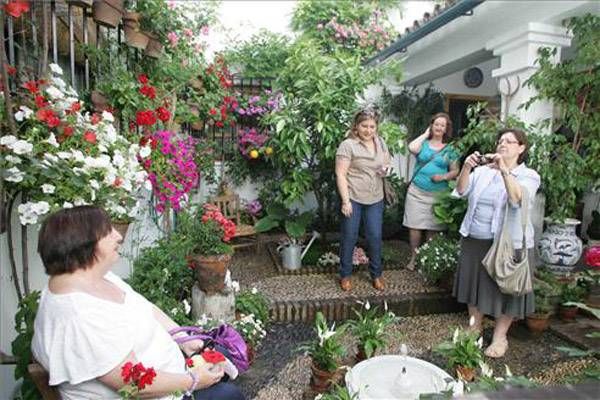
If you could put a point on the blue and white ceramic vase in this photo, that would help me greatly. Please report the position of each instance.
(559, 246)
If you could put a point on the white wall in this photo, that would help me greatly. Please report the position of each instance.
(454, 83)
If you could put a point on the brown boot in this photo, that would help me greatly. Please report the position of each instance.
(378, 283)
(345, 284)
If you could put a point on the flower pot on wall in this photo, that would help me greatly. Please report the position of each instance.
(154, 48)
(210, 271)
(559, 247)
(81, 3)
(134, 37)
(108, 12)
(121, 227)
(99, 101)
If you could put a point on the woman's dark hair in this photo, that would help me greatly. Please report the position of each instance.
(67, 239)
(362, 115)
(448, 133)
(521, 138)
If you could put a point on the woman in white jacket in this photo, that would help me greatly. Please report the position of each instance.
(491, 183)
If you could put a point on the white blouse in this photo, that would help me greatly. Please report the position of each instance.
(484, 176)
(79, 337)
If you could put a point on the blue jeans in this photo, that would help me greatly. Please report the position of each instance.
(372, 217)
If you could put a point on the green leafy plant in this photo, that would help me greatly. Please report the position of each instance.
(437, 259)
(370, 328)
(486, 382)
(337, 392)
(464, 349)
(571, 292)
(326, 350)
(205, 231)
(253, 302)
(263, 55)
(21, 345)
(279, 216)
(449, 210)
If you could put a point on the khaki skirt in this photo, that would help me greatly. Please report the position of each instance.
(418, 210)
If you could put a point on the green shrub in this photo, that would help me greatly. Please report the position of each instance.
(437, 258)
(252, 302)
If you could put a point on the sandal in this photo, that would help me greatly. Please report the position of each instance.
(497, 349)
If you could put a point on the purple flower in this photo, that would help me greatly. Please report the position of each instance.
(254, 208)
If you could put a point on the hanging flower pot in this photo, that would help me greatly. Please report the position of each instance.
(99, 101)
(320, 381)
(210, 271)
(155, 47)
(108, 12)
(121, 227)
(81, 3)
(134, 37)
(198, 124)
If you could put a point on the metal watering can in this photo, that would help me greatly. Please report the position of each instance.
(292, 253)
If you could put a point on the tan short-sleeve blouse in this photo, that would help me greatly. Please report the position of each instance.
(364, 185)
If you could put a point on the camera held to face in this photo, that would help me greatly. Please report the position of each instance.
(483, 159)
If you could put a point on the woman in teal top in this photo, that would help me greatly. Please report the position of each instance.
(436, 165)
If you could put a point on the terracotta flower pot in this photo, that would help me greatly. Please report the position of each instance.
(537, 323)
(154, 48)
(81, 3)
(133, 36)
(99, 101)
(320, 381)
(108, 12)
(361, 355)
(467, 374)
(121, 227)
(567, 313)
(210, 271)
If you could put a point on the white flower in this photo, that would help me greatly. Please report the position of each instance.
(59, 82)
(48, 188)
(174, 311)
(472, 321)
(66, 204)
(40, 208)
(318, 397)
(385, 306)
(186, 306)
(480, 342)
(235, 285)
(108, 117)
(254, 290)
(145, 151)
(118, 159)
(485, 369)
(77, 155)
(7, 140)
(455, 336)
(64, 155)
(52, 140)
(23, 113)
(56, 69)
(367, 305)
(21, 147)
(79, 202)
(508, 372)
(54, 93)
(12, 159)
(14, 174)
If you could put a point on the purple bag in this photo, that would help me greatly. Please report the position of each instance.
(225, 336)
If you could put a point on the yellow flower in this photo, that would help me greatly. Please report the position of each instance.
(253, 154)
(268, 150)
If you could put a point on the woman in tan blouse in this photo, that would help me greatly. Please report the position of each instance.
(362, 160)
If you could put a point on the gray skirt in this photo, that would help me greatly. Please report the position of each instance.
(418, 210)
(474, 286)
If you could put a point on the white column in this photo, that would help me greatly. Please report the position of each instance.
(518, 51)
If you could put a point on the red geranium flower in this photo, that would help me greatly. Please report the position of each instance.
(143, 79)
(10, 69)
(163, 114)
(31, 86)
(212, 356)
(148, 91)
(146, 117)
(212, 111)
(592, 257)
(44, 114)
(90, 137)
(219, 124)
(95, 118)
(189, 362)
(16, 8)
(126, 371)
(146, 379)
(40, 101)
(118, 181)
(76, 106)
(53, 121)
(68, 131)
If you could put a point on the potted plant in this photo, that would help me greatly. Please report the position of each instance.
(108, 12)
(251, 302)
(546, 288)
(252, 330)
(437, 260)
(592, 276)
(134, 37)
(295, 226)
(571, 292)
(326, 352)
(463, 353)
(207, 231)
(370, 329)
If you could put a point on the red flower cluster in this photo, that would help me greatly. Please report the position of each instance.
(148, 91)
(211, 212)
(163, 114)
(145, 117)
(137, 374)
(592, 257)
(212, 356)
(16, 8)
(48, 116)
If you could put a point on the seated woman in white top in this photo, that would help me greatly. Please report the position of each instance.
(90, 323)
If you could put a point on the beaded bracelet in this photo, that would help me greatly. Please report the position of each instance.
(189, 393)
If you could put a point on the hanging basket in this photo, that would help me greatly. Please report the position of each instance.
(108, 12)
(154, 48)
(210, 271)
(134, 37)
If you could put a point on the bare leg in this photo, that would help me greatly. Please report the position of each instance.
(430, 234)
(499, 341)
(415, 237)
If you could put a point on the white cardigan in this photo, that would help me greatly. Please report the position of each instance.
(482, 177)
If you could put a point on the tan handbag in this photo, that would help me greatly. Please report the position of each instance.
(512, 276)
(389, 193)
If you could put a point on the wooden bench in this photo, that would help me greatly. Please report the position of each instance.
(230, 207)
(40, 378)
